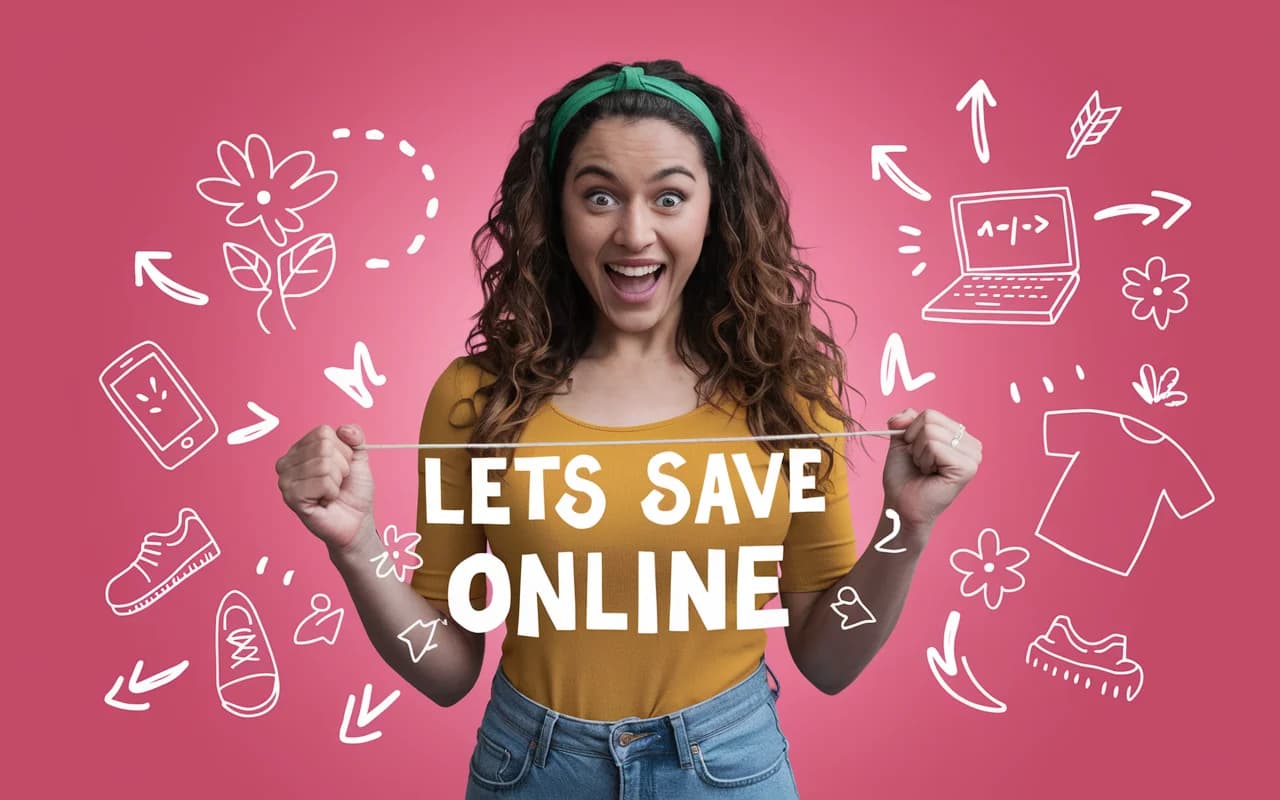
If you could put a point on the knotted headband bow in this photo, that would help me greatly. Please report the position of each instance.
(631, 79)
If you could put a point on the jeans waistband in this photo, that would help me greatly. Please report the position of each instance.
(551, 729)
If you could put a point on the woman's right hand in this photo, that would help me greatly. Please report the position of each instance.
(328, 484)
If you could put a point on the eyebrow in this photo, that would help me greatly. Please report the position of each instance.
(592, 169)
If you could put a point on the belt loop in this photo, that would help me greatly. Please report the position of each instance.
(682, 740)
(777, 692)
(544, 739)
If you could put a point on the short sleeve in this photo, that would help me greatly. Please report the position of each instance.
(449, 416)
(820, 547)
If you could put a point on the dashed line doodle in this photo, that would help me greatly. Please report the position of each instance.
(911, 249)
(433, 203)
(1045, 381)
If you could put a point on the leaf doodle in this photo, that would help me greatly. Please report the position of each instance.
(304, 269)
(250, 271)
(1161, 391)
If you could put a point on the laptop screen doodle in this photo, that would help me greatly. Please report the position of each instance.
(1015, 232)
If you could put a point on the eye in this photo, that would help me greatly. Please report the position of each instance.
(590, 197)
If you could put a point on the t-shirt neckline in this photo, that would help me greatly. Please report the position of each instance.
(643, 426)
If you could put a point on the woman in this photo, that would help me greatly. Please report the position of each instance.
(647, 289)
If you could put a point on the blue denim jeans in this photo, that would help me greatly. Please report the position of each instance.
(728, 746)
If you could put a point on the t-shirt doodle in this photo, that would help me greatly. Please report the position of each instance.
(1121, 472)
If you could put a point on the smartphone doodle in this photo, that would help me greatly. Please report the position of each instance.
(154, 397)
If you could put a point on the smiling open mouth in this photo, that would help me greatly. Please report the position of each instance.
(635, 283)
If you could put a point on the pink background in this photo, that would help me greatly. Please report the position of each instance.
(115, 111)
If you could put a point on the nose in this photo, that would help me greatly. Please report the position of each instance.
(635, 229)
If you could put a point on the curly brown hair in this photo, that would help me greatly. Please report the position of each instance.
(746, 305)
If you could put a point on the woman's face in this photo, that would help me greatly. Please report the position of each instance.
(635, 194)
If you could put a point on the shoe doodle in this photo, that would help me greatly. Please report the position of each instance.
(857, 613)
(1104, 663)
(164, 560)
(247, 677)
(1121, 465)
(351, 381)
(322, 624)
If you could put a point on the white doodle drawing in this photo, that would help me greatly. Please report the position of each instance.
(247, 677)
(154, 397)
(144, 269)
(978, 98)
(946, 666)
(260, 191)
(1019, 260)
(409, 151)
(1091, 124)
(883, 163)
(1153, 390)
(401, 557)
(352, 381)
(1045, 380)
(366, 716)
(323, 623)
(893, 364)
(416, 652)
(1125, 466)
(911, 249)
(1157, 294)
(139, 685)
(299, 271)
(165, 559)
(991, 570)
(267, 422)
(851, 610)
(1104, 663)
(1152, 213)
(261, 569)
(882, 545)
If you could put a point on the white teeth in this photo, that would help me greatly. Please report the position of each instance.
(634, 272)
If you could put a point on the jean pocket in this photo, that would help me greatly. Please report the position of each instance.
(748, 751)
(502, 755)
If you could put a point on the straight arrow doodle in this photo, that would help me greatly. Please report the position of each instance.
(881, 161)
(366, 715)
(139, 685)
(977, 98)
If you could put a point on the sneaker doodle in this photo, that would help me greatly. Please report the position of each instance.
(164, 560)
(247, 677)
(1104, 663)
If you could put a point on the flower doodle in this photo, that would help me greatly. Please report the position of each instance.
(991, 569)
(1156, 293)
(261, 191)
(401, 557)
(258, 190)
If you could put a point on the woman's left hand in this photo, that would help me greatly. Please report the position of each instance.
(927, 466)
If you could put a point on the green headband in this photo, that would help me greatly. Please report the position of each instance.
(631, 79)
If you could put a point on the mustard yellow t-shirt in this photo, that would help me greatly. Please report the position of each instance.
(612, 674)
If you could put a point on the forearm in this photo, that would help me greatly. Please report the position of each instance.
(388, 607)
(832, 655)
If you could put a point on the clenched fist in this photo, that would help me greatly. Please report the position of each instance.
(328, 484)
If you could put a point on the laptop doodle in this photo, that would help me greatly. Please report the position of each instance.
(1019, 264)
